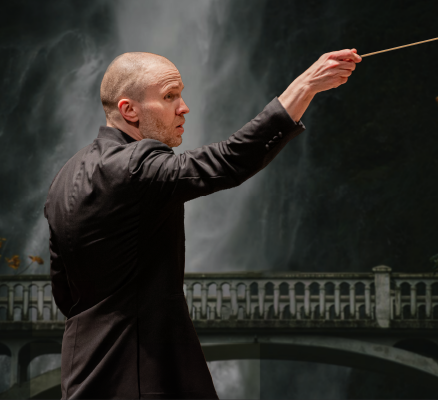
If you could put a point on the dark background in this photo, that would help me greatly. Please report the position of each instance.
(357, 189)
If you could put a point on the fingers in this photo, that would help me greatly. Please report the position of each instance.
(331, 70)
(349, 65)
(346, 54)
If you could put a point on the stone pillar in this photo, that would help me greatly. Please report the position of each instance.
(234, 304)
(262, 299)
(204, 293)
(40, 302)
(307, 300)
(352, 300)
(248, 300)
(11, 292)
(337, 299)
(14, 347)
(190, 299)
(292, 300)
(322, 312)
(382, 278)
(367, 300)
(276, 299)
(219, 300)
(25, 314)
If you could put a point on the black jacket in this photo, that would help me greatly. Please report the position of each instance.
(117, 245)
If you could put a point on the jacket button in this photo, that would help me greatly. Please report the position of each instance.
(280, 134)
(275, 138)
(270, 142)
(267, 147)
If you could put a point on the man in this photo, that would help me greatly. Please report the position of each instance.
(116, 218)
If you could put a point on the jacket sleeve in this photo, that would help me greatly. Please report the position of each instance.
(218, 166)
(60, 287)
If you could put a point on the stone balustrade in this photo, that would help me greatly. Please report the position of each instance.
(379, 296)
(27, 298)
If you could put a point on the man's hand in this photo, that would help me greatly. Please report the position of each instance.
(330, 71)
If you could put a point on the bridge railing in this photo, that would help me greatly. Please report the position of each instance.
(280, 296)
(378, 296)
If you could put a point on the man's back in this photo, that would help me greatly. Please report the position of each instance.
(116, 217)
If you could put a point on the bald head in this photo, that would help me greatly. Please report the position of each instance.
(128, 76)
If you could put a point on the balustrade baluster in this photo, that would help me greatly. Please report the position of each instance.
(190, 299)
(367, 300)
(219, 301)
(262, 300)
(25, 303)
(307, 300)
(337, 300)
(292, 300)
(204, 291)
(392, 309)
(211, 312)
(352, 300)
(428, 300)
(234, 305)
(248, 300)
(276, 299)
(53, 310)
(397, 301)
(40, 301)
(11, 301)
(413, 299)
(322, 311)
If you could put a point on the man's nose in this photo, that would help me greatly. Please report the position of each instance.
(182, 109)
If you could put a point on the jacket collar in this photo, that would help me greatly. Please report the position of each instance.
(107, 132)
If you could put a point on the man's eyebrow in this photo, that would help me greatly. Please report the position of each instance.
(173, 86)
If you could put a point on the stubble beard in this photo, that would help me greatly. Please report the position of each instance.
(152, 127)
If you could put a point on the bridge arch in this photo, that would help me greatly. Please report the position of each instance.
(424, 347)
(4, 350)
(32, 350)
(336, 351)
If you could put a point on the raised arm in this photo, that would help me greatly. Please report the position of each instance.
(223, 165)
(329, 71)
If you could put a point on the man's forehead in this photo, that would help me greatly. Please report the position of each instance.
(169, 78)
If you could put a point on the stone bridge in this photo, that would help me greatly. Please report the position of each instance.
(379, 321)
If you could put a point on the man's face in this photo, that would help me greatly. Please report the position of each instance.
(162, 110)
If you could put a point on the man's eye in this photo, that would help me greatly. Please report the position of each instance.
(168, 96)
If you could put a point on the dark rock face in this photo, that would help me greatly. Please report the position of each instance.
(358, 188)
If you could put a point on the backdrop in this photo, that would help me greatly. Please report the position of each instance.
(357, 189)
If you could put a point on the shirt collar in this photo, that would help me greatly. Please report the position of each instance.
(110, 133)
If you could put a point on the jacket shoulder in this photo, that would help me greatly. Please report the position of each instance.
(148, 151)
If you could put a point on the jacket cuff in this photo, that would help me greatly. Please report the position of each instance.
(281, 120)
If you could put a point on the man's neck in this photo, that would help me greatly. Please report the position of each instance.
(126, 128)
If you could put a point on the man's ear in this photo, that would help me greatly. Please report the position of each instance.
(127, 110)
